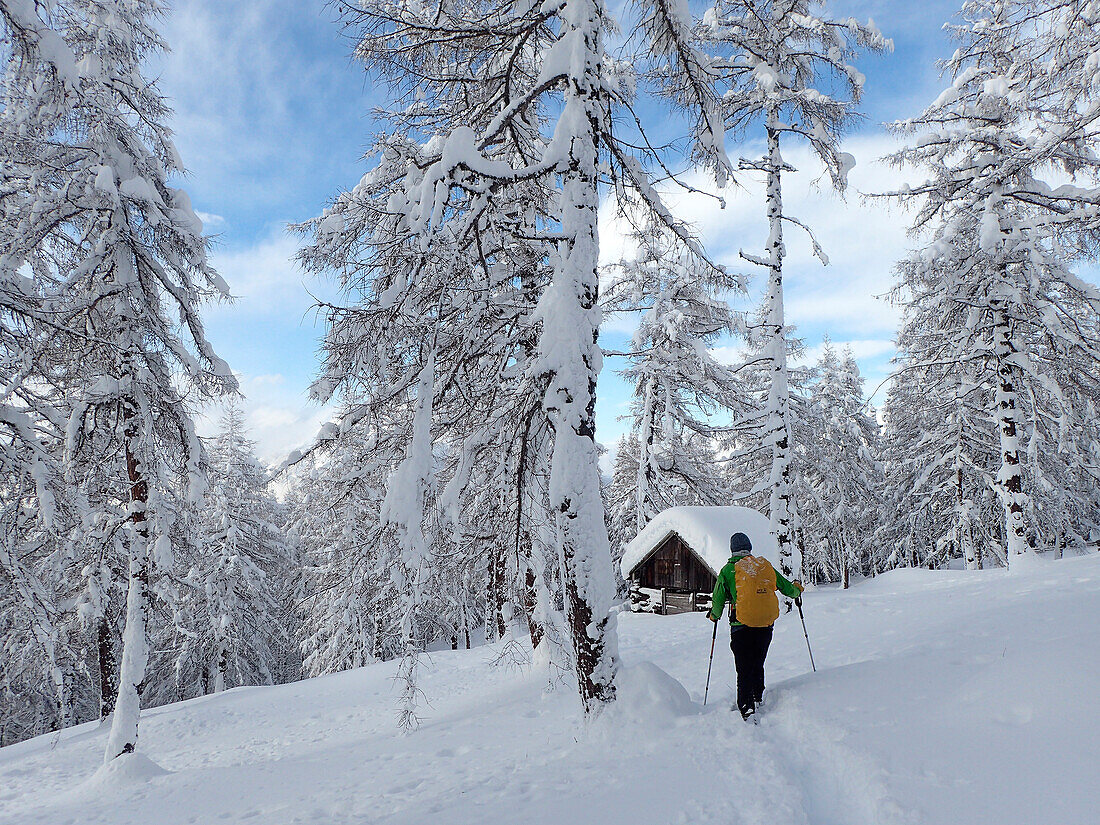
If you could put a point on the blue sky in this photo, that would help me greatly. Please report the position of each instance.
(272, 120)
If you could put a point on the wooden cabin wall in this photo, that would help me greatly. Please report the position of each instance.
(674, 567)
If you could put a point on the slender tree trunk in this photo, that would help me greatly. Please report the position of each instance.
(842, 557)
(778, 432)
(572, 358)
(108, 667)
(1010, 479)
(376, 638)
(221, 667)
(495, 623)
(465, 611)
(135, 645)
(645, 459)
(524, 542)
(408, 670)
(963, 536)
(63, 677)
(530, 603)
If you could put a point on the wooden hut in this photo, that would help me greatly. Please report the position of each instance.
(673, 563)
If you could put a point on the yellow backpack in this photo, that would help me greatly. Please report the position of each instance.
(757, 604)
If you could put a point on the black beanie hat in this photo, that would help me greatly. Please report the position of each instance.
(740, 544)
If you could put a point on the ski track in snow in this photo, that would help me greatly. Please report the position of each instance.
(941, 698)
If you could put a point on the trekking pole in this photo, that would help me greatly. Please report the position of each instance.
(798, 602)
(710, 663)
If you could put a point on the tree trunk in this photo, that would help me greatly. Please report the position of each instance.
(571, 359)
(465, 611)
(63, 685)
(530, 603)
(221, 667)
(494, 621)
(135, 645)
(1010, 479)
(645, 459)
(964, 536)
(778, 426)
(842, 556)
(108, 667)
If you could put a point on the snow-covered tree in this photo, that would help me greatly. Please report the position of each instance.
(839, 480)
(784, 66)
(37, 652)
(38, 507)
(992, 292)
(939, 442)
(90, 216)
(351, 604)
(682, 394)
(238, 595)
(488, 186)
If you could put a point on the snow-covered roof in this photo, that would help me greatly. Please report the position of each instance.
(707, 531)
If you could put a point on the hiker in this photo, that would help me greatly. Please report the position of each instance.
(749, 583)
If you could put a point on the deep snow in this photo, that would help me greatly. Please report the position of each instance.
(941, 697)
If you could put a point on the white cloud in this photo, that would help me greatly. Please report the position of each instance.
(280, 418)
(267, 281)
(861, 349)
(209, 219)
(270, 380)
(862, 237)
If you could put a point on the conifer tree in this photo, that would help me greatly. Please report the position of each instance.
(121, 255)
(784, 66)
(681, 393)
(237, 604)
(993, 288)
(840, 476)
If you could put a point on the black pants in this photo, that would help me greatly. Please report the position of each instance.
(750, 648)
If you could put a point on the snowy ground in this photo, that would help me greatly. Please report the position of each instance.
(941, 697)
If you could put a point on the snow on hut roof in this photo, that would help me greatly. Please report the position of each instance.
(707, 531)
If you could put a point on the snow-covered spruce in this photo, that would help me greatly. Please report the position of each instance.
(239, 590)
(839, 480)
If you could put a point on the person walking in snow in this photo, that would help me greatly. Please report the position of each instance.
(749, 583)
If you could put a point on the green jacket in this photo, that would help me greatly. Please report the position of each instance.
(725, 590)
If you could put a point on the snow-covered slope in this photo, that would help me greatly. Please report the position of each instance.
(941, 697)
